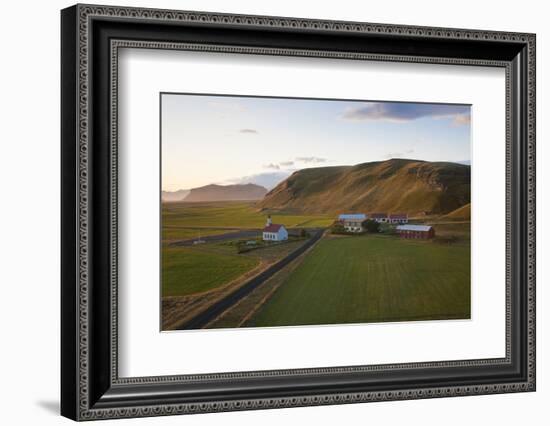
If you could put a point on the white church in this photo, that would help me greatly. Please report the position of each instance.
(274, 232)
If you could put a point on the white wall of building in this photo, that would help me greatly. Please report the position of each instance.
(280, 235)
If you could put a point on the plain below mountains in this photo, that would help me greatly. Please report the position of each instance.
(396, 185)
(208, 193)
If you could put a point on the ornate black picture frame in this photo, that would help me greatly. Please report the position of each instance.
(91, 36)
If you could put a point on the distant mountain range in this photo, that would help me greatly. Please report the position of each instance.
(245, 192)
(396, 185)
(170, 196)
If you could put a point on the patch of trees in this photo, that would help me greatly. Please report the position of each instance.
(338, 228)
(371, 226)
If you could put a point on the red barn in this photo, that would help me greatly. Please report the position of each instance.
(416, 231)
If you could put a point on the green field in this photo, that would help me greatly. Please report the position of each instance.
(229, 214)
(186, 233)
(460, 230)
(372, 279)
(196, 269)
(186, 270)
(357, 279)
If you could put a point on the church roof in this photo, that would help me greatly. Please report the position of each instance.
(272, 228)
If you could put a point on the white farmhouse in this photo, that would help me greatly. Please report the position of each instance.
(274, 232)
(352, 222)
(401, 218)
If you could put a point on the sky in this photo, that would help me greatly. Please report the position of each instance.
(224, 140)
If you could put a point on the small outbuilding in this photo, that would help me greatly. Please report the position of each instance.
(416, 231)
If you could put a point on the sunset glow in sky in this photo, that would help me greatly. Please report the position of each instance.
(232, 139)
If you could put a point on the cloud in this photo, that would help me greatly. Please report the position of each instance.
(462, 120)
(309, 160)
(249, 131)
(403, 112)
(278, 166)
(268, 180)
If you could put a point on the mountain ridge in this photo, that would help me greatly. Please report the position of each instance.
(174, 196)
(395, 185)
(237, 192)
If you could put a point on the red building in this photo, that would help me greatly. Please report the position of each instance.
(416, 231)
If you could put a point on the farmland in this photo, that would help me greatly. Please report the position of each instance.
(341, 279)
(190, 270)
(195, 269)
(372, 279)
(232, 215)
(176, 233)
(187, 270)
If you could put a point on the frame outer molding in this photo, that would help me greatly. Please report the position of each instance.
(76, 197)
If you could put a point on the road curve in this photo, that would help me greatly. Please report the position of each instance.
(214, 310)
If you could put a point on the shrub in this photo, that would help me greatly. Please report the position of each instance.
(338, 228)
(388, 229)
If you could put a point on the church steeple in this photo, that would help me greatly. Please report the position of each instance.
(268, 223)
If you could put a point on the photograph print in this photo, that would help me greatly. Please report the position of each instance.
(307, 212)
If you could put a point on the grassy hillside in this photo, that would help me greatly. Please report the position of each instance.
(396, 185)
(462, 213)
(373, 279)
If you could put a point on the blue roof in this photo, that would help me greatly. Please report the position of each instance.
(358, 216)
